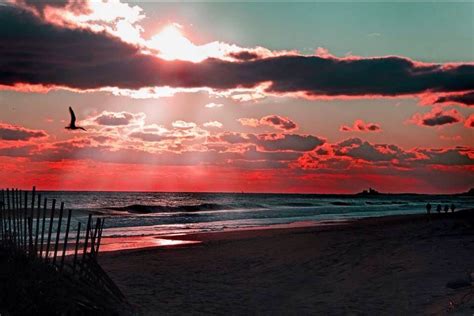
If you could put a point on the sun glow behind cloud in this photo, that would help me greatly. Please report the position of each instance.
(171, 44)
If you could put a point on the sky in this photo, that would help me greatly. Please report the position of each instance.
(230, 97)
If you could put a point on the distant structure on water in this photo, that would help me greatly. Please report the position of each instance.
(370, 191)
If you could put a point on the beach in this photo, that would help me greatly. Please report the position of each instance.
(376, 266)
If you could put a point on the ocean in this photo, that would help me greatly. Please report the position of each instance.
(165, 214)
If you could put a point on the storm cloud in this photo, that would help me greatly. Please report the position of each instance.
(35, 52)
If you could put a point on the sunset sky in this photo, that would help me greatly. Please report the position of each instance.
(254, 97)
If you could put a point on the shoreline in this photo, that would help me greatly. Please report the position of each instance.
(395, 265)
(167, 241)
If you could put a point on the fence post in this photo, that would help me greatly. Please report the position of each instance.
(9, 215)
(30, 233)
(43, 226)
(68, 223)
(50, 231)
(33, 196)
(25, 222)
(86, 241)
(33, 200)
(37, 224)
(100, 237)
(15, 214)
(18, 219)
(76, 247)
(2, 203)
(58, 233)
(94, 236)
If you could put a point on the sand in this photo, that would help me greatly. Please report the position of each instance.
(381, 266)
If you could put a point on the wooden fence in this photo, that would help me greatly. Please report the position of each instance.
(35, 226)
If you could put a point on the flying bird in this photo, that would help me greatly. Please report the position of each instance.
(72, 125)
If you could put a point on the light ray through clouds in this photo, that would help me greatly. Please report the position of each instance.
(252, 126)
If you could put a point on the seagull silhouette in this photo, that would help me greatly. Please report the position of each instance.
(72, 125)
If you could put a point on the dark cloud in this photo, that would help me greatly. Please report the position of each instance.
(279, 122)
(17, 133)
(453, 156)
(114, 119)
(358, 149)
(359, 153)
(17, 151)
(465, 99)
(39, 6)
(34, 52)
(361, 126)
(244, 55)
(273, 142)
(437, 117)
(440, 120)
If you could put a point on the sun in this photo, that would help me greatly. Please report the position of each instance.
(171, 44)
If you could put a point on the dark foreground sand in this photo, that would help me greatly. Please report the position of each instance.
(390, 266)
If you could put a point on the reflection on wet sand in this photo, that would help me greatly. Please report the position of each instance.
(137, 242)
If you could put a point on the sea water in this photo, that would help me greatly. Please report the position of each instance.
(164, 214)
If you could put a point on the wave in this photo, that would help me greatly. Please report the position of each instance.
(301, 204)
(147, 209)
(338, 203)
(386, 203)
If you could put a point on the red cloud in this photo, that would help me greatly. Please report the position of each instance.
(279, 122)
(361, 126)
(117, 118)
(276, 121)
(458, 98)
(18, 133)
(272, 142)
(437, 117)
(469, 121)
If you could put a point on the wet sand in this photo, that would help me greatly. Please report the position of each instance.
(379, 266)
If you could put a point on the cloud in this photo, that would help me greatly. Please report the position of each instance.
(181, 131)
(83, 59)
(361, 126)
(214, 105)
(462, 99)
(183, 125)
(149, 136)
(358, 149)
(215, 124)
(469, 121)
(451, 156)
(272, 142)
(252, 122)
(357, 154)
(437, 117)
(117, 118)
(244, 55)
(40, 7)
(276, 121)
(17, 151)
(279, 122)
(17, 133)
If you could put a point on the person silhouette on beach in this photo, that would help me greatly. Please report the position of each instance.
(438, 208)
(452, 208)
(446, 208)
(428, 208)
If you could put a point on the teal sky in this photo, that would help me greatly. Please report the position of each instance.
(434, 32)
